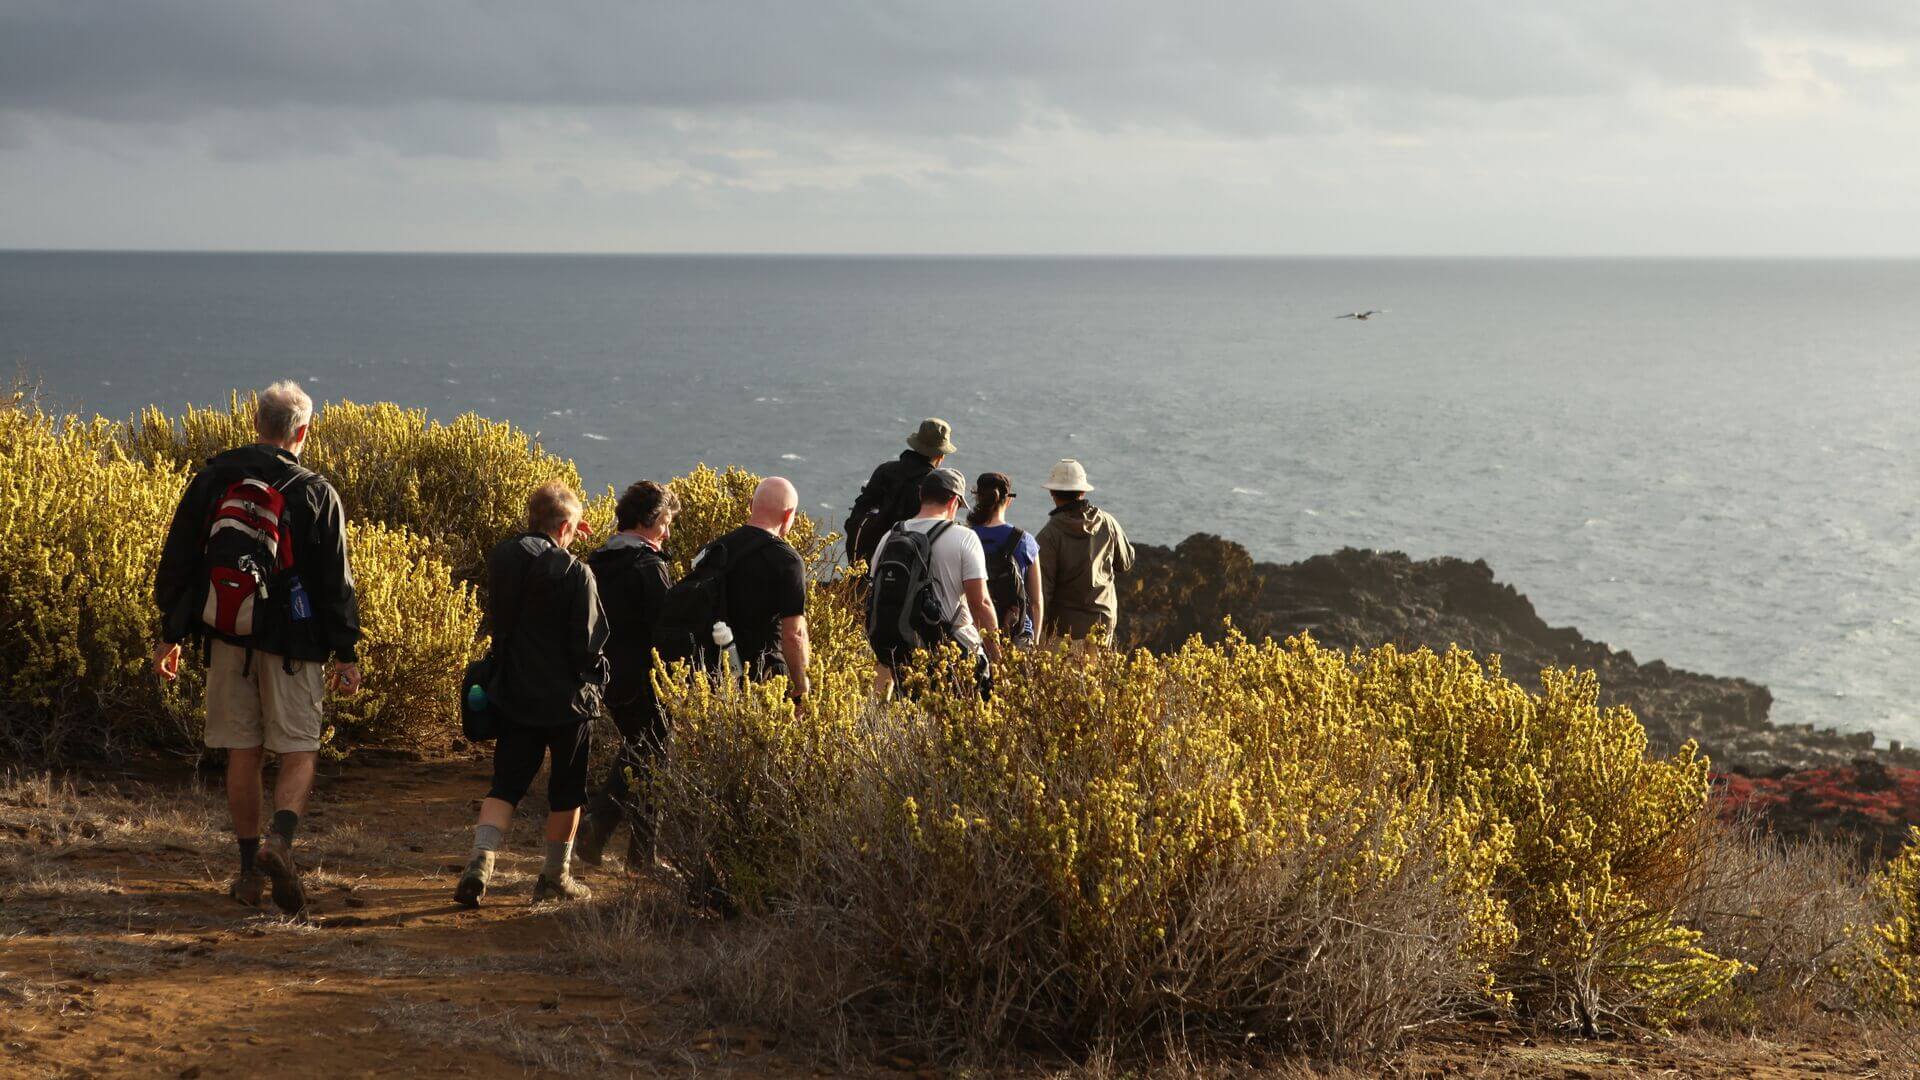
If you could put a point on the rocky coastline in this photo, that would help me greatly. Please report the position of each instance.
(1364, 598)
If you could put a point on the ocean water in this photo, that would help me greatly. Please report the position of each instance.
(1712, 462)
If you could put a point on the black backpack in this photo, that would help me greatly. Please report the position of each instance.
(889, 498)
(1007, 586)
(699, 600)
(904, 613)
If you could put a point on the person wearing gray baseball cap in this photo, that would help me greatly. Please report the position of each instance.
(929, 586)
(892, 495)
(1082, 548)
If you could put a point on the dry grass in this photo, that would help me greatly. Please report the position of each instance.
(1782, 907)
(579, 1048)
(1898, 1046)
(25, 877)
(1356, 972)
(352, 842)
(62, 812)
(49, 824)
(647, 940)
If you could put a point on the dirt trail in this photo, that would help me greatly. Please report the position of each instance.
(120, 955)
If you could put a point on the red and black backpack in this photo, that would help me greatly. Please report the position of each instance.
(249, 546)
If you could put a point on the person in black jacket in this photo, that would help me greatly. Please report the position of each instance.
(892, 494)
(631, 572)
(550, 636)
(266, 686)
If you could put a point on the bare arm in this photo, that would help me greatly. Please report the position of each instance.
(794, 649)
(1036, 598)
(981, 605)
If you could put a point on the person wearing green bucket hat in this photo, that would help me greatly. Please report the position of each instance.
(1082, 548)
(892, 495)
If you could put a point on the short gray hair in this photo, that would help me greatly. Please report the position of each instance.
(282, 409)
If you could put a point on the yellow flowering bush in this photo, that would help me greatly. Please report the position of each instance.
(1115, 845)
(1603, 836)
(462, 485)
(1886, 966)
(418, 633)
(84, 509)
(80, 534)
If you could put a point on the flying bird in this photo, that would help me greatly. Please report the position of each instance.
(1362, 315)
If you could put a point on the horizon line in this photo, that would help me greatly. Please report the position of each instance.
(980, 255)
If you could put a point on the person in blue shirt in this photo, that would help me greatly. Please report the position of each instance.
(1013, 559)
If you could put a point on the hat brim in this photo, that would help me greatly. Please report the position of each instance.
(945, 448)
(1082, 490)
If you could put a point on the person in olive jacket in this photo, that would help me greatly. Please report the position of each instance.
(631, 572)
(1082, 548)
(550, 637)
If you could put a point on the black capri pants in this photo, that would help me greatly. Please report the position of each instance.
(517, 755)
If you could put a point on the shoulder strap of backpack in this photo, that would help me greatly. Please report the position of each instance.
(296, 474)
(735, 553)
(500, 641)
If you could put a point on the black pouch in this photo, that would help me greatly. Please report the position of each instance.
(479, 717)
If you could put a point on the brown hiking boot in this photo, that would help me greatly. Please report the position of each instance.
(276, 858)
(248, 887)
(563, 888)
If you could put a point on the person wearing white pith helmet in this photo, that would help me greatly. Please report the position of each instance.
(1081, 549)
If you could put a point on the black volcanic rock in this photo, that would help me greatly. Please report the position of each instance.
(1366, 598)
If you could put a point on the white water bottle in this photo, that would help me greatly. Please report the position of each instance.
(729, 653)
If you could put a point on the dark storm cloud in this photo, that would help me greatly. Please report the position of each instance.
(934, 69)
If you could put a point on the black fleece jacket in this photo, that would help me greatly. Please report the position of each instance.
(633, 580)
(549, 632)
(889, 497)
(319, 530)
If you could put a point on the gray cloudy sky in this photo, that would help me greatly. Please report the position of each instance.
(1468, 126)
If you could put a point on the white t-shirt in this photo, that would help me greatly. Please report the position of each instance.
(957, 558)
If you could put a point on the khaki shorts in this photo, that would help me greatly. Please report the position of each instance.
(264, 706)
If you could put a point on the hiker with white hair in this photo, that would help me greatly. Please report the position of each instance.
(255, 570)
(1082, 548)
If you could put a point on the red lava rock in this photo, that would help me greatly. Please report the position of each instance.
(1868, 801)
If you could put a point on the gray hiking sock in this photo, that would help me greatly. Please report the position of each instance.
(486, 838)
(559, 853)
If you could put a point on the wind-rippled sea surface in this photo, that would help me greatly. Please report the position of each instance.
(1711, 462)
